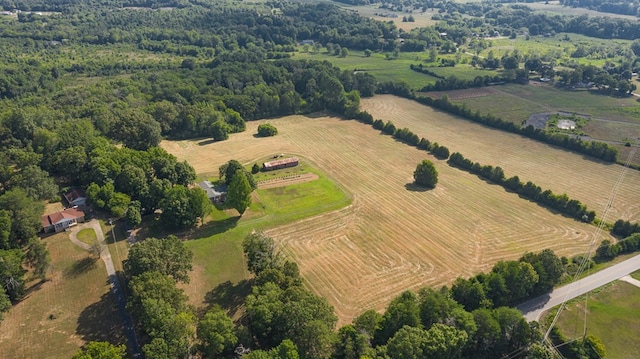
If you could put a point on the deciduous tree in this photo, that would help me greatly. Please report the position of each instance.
(239, 192)
(426, 174)
(168, 256)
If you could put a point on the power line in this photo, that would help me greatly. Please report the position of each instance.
(597, 233)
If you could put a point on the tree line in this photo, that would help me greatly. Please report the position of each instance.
(595, 149)
(561, 203)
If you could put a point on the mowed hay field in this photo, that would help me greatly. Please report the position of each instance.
(392, 237)
(561, 171)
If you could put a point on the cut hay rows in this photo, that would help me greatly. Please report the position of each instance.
(585, 179)
(391, 238)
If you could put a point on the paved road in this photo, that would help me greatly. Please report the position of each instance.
(105, 255)
(534, 307)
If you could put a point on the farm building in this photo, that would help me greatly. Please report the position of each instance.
(75, 198)
(59, 221)
(216, 194)
(278, 164)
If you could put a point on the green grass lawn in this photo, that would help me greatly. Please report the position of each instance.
(88, 236)
(217, 245)
(636, 275)
(613, 316)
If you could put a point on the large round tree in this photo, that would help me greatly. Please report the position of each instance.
(425, 174)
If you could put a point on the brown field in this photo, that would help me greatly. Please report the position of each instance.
(73, 307)
(393, 237)
(561, 171)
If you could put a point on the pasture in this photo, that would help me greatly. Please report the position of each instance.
(72, 307)
(613, 119)
(393, 236)
(422, 19)
(582, 178)
(614, 306)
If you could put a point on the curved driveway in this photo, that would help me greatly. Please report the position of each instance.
(105, 255)
(533, 308)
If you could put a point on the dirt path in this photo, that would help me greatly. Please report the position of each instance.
(105, 255)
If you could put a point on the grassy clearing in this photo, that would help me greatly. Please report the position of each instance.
(60, 315)
(614, 306)
(612, 119)
(397, 69)
(392, 237)
(561, 171)
(421, 19)
(88, 236)
(554, 7)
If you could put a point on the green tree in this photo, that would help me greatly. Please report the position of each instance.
(403, 310)
(216, 333)
(367, 53)
(229, 169)
(25, 214)
(444, 342)
(35, 182)
(12, 273)
(426, 174)
(350, 344)
(168, 256)
(178, 209)
(407, 343)
(133, 216)
(266, 130)
(136, 129)
(101, 350)
(5, 230)
(37, 257)
(344, 52)
(261, 252)
(255, 168)
(5, 302)
(239, 192)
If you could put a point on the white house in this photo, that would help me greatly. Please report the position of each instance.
(75, 198)
(59, 221)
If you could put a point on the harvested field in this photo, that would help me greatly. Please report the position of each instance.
(394, 236)
(582, 178)
(463, 94)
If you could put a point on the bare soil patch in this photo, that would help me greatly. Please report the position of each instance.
(287, 180)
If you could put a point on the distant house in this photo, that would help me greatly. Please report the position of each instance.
(216, 194)
(59, 221)
(75, 198)
(307, 42)
(278, 164)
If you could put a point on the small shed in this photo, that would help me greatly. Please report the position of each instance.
(278, 164)
(75, 198)
(216, 193)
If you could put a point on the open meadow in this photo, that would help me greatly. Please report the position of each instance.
(585, 179)
(613, 306)
(74, 306)
(393, 236)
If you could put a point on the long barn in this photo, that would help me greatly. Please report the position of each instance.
(278, 164)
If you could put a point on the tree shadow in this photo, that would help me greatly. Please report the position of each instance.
(215, 227)
(415, 188)
(100, 321)
(229, 296)
(206, 142)
(80, 267)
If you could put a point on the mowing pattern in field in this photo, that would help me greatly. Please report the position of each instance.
(392, 237)
(551, 168)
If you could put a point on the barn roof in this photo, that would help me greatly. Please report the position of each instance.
(283, 161)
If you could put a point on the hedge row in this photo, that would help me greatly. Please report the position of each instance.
(595, 149)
